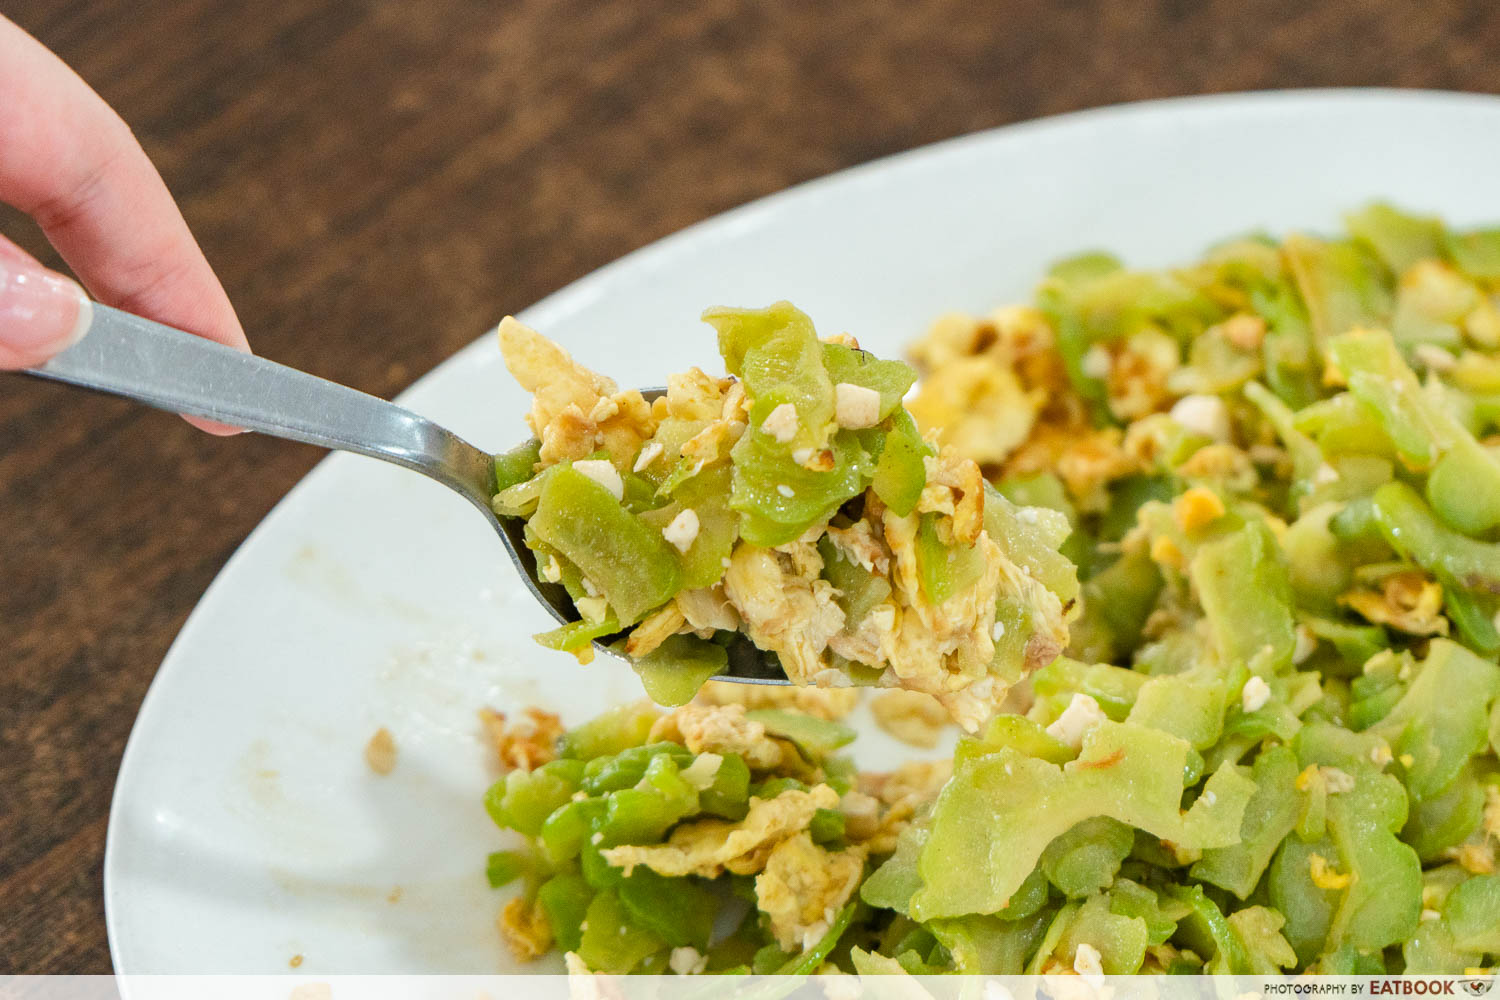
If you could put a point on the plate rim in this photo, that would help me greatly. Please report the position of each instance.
(664, 250)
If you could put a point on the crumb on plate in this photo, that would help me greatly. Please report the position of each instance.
(380, 752)
(526, 742)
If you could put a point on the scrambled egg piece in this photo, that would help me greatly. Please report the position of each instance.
(955, 487)
(861, 642)
(1197, 508)
(718, 404)
(1245, 331)
(1085, 458)
(911, 717)
(911, 784)
(977, 407)
(862, 545)
(526, 743)
(1136, 384)
(789, 612)
(995, 389)
(525, 929)
(945, 649)
(1223, 464)
(657, 628)
(1406, 601)
(707, 610)
(985, 381)
(574, 412)
(901, 793)
(723, 729)
(803, 886)
(938, 648)
(1324, 876)
(712, 442)
(821, 703)
(712, 846)
(695, 395)
(1476, 858)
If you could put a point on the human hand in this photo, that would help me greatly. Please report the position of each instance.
(68, 161)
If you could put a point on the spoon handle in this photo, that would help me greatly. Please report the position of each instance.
(128, 356)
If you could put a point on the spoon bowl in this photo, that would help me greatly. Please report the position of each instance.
(127, 355)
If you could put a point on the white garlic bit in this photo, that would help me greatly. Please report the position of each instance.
(682, 530)
(1082, 714)
(604, 473)
(855, 406)
(1202, 414)
(781, 423)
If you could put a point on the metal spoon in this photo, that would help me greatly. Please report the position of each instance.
(128, 356)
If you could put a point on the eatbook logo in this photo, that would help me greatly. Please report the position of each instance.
(1414, 986)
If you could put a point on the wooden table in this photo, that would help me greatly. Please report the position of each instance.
(377, 181)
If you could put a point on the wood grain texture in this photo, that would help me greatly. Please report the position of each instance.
(377, 181)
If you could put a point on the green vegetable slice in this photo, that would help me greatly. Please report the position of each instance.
(1270, 815)
(815, 737)
(629, 562)
(985, 838)
(675, 671)
(611, 940)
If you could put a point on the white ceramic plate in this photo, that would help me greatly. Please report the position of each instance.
(246, 827)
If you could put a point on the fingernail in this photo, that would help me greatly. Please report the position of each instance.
(42, 313)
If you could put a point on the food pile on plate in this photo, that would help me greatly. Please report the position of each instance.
(1258, 732)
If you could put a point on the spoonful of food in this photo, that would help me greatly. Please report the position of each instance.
(785, 524)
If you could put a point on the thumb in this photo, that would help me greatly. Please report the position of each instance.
(42, 313)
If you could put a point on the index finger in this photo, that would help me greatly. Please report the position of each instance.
(72, 164)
